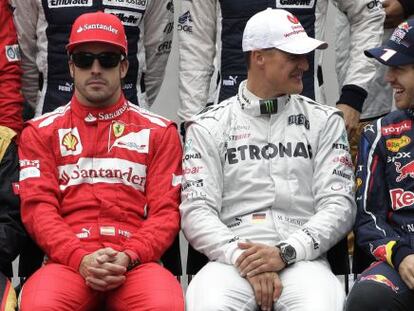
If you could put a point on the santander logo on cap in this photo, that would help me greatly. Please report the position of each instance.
(293, 19)
(97, 26)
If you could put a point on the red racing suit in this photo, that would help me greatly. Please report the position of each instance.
(93, 178)
(11, 100)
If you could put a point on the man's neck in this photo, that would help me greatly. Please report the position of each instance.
(261, 90)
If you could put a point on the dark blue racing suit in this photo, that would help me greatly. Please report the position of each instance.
(384, 226)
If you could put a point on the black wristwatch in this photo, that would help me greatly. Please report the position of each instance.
(287, 253)
(133, 264)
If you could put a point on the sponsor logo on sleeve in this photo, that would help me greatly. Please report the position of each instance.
(192, 170)
(397, 129)
(170, 6)
(12, 53)
(344, 160)
(395, 144)
(70, 143)
(164, 47)
(193, 183)
(29, 169)
(342, 174)
(185, 22)
(194, 195)
(314, 239)
(338, 146)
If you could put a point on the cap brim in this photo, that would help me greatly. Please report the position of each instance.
(302, 45)
(386, 56)
(71, 46)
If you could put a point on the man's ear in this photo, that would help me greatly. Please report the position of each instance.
(123, 68)
(71, 68)
(257, 57)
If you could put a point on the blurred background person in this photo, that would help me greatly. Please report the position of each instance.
(43, 29)
(211, 30)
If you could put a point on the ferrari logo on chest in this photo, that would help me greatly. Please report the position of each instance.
(118, 129)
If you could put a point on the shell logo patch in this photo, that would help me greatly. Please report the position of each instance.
(70, 143)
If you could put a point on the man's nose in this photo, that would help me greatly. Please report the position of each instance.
(96, 66)
(390, 75)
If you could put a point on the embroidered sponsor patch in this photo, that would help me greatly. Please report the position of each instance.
(397, 129)
(127, 18)
(110, 171)
(53, 4)
(295, 4)
(29, 169)
(70, 143)
(258, 218)
(12, 53)
(380, 279)
(107, 231)
(395, 144)
(401, 198)
(131, 4)
(134, 141)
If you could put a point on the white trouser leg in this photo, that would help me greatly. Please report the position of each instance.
(310, 286)
(219, 287)
(307, 286)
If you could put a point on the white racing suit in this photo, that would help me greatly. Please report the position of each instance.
(267, 178)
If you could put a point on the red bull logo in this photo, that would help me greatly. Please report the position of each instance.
(404, 171)
(380, 253)
(380, 279)
(401, 198)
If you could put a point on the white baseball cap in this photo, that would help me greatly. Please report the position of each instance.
(277, 28)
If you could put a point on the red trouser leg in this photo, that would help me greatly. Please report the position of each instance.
(148, 287)
(56, 287)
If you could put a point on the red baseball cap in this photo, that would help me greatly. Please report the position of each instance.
(97, 27)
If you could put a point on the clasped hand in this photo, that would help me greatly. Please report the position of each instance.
(104, 269)
(259, 263)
